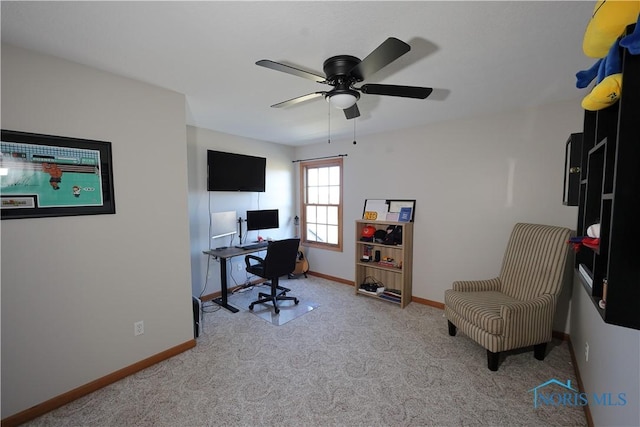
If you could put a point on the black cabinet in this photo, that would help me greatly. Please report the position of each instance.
(609, 195)
(571, 187)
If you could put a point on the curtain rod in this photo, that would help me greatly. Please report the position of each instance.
(319, 158)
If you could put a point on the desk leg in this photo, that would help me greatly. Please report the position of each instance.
(222, 300)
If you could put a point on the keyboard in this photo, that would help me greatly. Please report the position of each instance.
(257, 245)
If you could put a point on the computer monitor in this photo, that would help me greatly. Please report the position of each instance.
(262, 219)
(223, 224)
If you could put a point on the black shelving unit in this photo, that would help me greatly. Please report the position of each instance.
(610, 195)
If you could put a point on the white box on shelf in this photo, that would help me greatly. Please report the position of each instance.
(585, 275)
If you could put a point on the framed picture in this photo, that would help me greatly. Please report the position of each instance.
(375, 209)
(389, 210)
(405, 209)
(46, 176)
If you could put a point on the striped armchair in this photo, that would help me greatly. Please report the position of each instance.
(515, 309)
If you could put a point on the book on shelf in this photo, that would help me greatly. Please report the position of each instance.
(586, 275)
(405, 214)
(377, 292)
(389, 297)
(387, 263)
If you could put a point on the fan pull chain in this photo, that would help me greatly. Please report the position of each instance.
(354, 131)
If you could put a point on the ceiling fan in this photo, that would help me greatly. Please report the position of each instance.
(344, 71)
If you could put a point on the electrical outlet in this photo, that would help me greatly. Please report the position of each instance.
(586, 351)
(239, 266)
(138, 328)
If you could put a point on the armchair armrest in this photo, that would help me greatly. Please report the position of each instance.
(528, 322)
(477, 285)
(248, 258)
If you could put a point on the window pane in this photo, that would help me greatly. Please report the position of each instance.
(334, 195)
(312, 195)
(334, 175)
(323, 176)
(332, 234)
(311, 214)
(311, 232)
(323, 195)
(322, 233)
(312, 176)
(322, 215)
(332, 215)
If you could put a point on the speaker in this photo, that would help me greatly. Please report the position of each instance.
(196, 316)
(377, 256)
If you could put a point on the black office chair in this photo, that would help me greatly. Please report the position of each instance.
(279, 261)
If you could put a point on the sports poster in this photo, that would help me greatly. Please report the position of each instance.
(44, 178)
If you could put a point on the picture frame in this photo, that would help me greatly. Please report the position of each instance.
(387, 209)
(375, 209)
(49, 176)
(398, 205)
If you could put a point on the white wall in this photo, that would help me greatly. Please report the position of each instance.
(72, 287)
(472, 180)
(279, 194)
(614, 361)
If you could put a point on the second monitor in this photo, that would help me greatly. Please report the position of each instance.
(262, 219)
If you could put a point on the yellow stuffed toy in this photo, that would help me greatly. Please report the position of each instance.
(608, 22)
(608, 74)
(604, 94)
(602, 39)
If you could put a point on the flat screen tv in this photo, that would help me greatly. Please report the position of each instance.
(235, 172)
(262, 220)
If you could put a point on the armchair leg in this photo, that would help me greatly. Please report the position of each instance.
(492, 360)
(452, 328)
(539, 351)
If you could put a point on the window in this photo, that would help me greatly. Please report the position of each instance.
(321, 188)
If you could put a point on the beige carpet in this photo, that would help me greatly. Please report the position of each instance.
(353, 361)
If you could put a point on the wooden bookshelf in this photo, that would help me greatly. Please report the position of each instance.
(394, 275)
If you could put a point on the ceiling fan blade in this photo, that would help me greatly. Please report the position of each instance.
(352, 112)
(393, 90)
(390, 50)
(298, 100)
(290, 70)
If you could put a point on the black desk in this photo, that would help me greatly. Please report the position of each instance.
(224, 255)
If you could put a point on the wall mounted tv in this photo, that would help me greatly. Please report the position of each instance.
(235, 172)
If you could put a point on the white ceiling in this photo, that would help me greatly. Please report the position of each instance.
(480, 57)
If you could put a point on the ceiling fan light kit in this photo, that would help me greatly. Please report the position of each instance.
(342, 100)
(344, 71)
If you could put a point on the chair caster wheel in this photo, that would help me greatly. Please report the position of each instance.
(277, 310)
(251, 307)
(296, 301)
